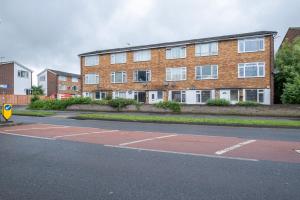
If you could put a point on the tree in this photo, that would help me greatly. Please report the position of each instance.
(291, 94)
(37, 90)
(287, 64)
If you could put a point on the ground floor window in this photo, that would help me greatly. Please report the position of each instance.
(88, 94)
(203, 96)
(100, 95)
(140, 97)
(254, 95)
(234, 95)
(120, 94)
(178, 96)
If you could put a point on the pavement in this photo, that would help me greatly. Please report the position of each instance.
(57, 158)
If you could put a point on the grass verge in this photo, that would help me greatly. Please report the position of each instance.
(34, 113)
(191, 120)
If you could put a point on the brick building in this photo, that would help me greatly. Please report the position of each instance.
(59, 84)
(15, 78)
(291, 34)
(234, 67)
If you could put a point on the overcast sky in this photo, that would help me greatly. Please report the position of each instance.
(51, 33)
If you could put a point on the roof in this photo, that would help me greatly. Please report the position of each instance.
(61, 73)
(14, 62)
(184, 42)
(291, 34)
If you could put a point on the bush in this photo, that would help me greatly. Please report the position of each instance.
(34, 98)
(247, 103)
(101, 102)
(291, 92)
(218, 102)
(171, 105)
(56, 104)
(120, 103)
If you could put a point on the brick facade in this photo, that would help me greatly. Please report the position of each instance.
(227, 60)
(7, 78)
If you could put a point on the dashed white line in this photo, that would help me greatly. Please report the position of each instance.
(234, 147)
(78, 134)
(183, 153)
(30, 136)
(148, 139)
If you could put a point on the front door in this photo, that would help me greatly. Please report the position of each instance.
(225, 94)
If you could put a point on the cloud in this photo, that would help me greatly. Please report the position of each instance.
(50, 34)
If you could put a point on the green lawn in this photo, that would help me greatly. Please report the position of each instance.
(35, 113)
(191, 120)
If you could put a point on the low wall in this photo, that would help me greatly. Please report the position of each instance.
(17, 99)
(274, 110)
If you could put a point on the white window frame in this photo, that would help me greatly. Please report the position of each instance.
(62, 78)
(210, 52)
(183, 75)
(171, 52)
(23, 74)
(182, 93)
(243, 41)
(72, 88)
(135, 76)
(62, 87)
(117, 94)
(142, 55)
(75, 80)
(42, 78)
(100, 95)
(199, 92)
(258, 91)
(124, 77)
(244, 66)
(88, 81)
(118, 58)
(90, 61)
(200, 77)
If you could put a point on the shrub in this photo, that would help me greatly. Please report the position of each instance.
(247, 103)
(171, 105)
(101, 102)
(120, 103)
(56, 104)
(218, 102)
(291, 92)
(34, 98)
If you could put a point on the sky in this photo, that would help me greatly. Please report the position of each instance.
(50, 34)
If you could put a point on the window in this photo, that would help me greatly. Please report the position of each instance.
(87, 94)
(142, 76)
(178, 96)
(118, 77)
(100, 95)
(42, 78)
(159, 94)
(118, 58)
(251, 45)
(176, 74)
(207, 72)
(144, 55)
(23, 74)
(74, 80)
(91, 60)
(203, 96)
(119, 94)
(74, 88)
(207, 49)
(248, 70)
(176, 52)
(255, 95)
(91, 79)
(62, 87)
(62, 78)
(234, 95)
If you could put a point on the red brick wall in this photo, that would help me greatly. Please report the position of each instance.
(7, 78)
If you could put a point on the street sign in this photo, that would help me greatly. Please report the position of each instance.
(7, 111)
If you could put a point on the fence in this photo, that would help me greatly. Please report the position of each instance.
(17, 99)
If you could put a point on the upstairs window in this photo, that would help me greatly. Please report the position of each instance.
(118, 77)
(207, 49)
(62, 78)
(118, 58)
(74, 80)
(42, 78)
(176, 52)
(176, 74)
(142, 76)
(91, 79)
(23, 74)
(251, 45)
(91, 60)
(248, 70)
(144, 55)
(62, 87)
(206, 72)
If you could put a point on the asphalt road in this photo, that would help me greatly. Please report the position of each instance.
(45, 169)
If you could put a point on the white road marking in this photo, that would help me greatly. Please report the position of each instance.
(44, 128)
(145, 140)
(182, 153)
(78, 134)
(30, 136)
(234, 147)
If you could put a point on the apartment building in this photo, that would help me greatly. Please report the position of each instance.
(234, 67)
(58, 84)
(15, 78)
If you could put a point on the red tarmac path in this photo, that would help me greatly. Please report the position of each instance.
(197, 145)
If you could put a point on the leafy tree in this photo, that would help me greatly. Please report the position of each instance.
(287, 64)
(291, 94)
(37, 90)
